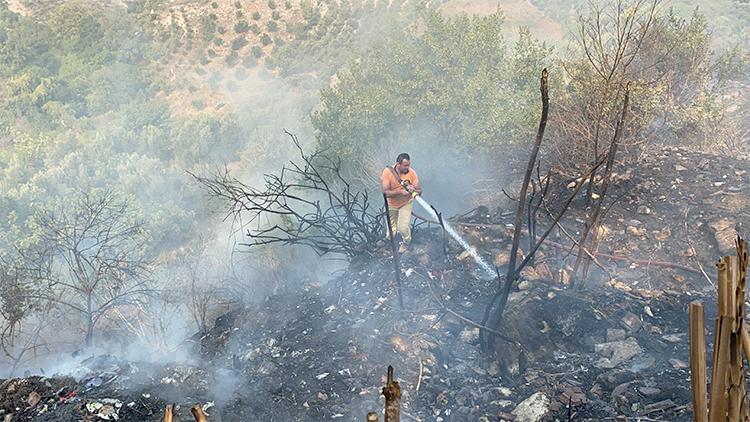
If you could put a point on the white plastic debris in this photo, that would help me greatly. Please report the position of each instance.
(93, 406)
(329, 309)
(321, 376)
(105, 409)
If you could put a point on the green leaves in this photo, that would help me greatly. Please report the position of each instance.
(454, 78)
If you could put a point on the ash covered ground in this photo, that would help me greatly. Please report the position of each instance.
(615, 350)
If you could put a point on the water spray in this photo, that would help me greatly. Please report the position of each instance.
(452, 232)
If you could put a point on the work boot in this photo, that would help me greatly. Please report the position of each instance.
(403, 247)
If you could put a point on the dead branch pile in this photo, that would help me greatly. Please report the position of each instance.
(308, 203)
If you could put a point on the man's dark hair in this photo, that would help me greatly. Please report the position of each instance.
(401, 157)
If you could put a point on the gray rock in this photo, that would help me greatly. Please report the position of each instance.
(642, 363)
(678, 364)
(533, 409)
(649, 391)
(616, 352)
(620, 394)
(469, 335)
(631, 322)
(615, 377)
(614, 334)
(658, 406)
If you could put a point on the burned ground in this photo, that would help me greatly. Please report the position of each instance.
(617, 348)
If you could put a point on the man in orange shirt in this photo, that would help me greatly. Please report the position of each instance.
(400, 184)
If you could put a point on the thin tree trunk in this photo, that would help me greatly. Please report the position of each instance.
(596, 217)
(597, 133)
(485, 338)
(89, 322)
(518, 222)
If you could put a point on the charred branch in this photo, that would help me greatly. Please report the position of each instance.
(596, 218)
(309, 202)
(494, 311)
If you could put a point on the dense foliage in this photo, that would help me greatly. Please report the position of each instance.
(455, 84)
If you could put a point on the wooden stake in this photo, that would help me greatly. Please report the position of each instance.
(198, 413)
(392, 393)
(719, 395)
(735, 382)
(745, 342)
(728, 401)
(168, 413)
(698, 361)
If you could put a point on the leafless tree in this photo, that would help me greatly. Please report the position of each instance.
(611, 37)
(591, 227)
(308, 203)
(200, 274)
(96, 252)
(21, 319)
(493, 315)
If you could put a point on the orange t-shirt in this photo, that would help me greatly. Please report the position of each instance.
(391, 182)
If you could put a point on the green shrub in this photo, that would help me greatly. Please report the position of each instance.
(241, 27)
(271, 4)
(208, 27)
(239, 42)
(218, 42)
(233, 58)
(265, 39)
(255, 29)
(275, 15)
(214, 5)
(257, 51)
(250, 61)
(256, 15)
(272, 26)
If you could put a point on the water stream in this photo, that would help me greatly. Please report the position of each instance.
(464, 244)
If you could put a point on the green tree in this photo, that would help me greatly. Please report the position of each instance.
(454, 85)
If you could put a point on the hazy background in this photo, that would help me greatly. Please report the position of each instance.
(125, 98)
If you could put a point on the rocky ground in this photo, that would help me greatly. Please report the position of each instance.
(615, 350)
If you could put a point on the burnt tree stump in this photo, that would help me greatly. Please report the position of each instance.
(392, 393)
